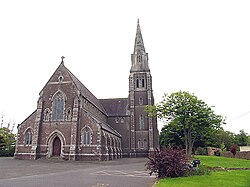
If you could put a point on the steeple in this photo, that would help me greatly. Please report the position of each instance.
(139, 58)
(139, 45)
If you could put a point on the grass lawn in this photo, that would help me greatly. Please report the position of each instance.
(215, 179)
(236, 178)
(215, 161)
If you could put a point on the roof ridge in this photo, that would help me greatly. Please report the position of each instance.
(125, 98)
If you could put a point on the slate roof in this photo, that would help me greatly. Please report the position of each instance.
(115, 107)
(110, 129)
(89, 96)
(86, 93)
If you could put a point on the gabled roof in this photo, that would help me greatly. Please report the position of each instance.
(115, 107)
(83, 90)
(108, 128)
(86, 93)
(31, 115)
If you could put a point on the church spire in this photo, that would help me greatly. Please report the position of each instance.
(139, 58)
(139, 45)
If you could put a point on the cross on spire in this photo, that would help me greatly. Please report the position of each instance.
(62, 59)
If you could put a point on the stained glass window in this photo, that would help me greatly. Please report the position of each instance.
(58, 107)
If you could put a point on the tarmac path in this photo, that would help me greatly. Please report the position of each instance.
(57, 173)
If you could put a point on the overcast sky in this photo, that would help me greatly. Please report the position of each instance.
(198, 46)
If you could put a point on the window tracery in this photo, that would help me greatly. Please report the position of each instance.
(28, 137)
(58, 106)
(86, 136)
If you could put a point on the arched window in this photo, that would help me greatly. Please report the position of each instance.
(141, 122)
(116, 120)
(86, 136)
(139, 58)
(58, 106)
(140, 101)
(46, 115)
(122, 120)
(28, 137)
(139, 143)
(137, 83)
(140, 82)
(68, 114)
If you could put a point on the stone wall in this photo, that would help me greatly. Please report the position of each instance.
(211, 151)
(241, 155)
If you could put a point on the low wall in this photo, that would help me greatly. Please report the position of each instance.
(211, 151)
(242, 155)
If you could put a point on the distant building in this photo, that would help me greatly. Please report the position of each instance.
(71, 123)
(244, 148)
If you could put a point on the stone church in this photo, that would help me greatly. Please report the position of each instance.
(71, 123)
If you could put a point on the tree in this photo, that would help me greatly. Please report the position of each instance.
(241, 139)
(191, 115)
(7, 142)
(221, 138)
(170, 135)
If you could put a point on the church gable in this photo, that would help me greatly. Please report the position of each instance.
(60, 91)
(58, 96)
(61, 75)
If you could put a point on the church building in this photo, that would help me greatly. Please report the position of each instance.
(71, 123)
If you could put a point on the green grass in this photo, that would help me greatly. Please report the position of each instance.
(215, 179)
(231, 178)
(217, 161)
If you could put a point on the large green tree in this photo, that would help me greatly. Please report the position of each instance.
(170, 135)
(189, 114)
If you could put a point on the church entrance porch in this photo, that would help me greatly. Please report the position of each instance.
(56, 147)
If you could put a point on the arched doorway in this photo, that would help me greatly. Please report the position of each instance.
(56, 147)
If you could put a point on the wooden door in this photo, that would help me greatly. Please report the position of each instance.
(57, 147)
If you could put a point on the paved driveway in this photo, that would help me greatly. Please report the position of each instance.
(56, 173)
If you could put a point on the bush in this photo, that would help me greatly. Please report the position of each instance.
(233, 149)
(171, 162)
(7, 152)
(201, 170)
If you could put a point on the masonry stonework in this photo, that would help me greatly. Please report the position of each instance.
(71, 123)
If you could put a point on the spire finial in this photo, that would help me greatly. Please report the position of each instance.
(138, 38)
(138, 25)
(139, 57)
(62, 59)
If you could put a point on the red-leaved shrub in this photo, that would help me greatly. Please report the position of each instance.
(233, 149)
(171, 162)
